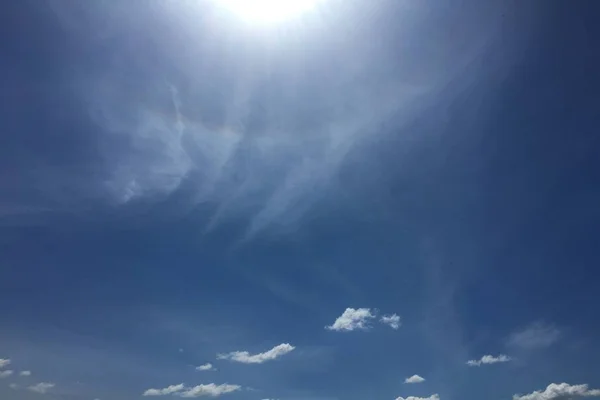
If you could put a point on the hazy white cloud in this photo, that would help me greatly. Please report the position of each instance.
(205, 367)
(6, 374)
(391, 320)
(247, 358)
(13, 386)
(210, 389)
(352, 319)
(559, 391)
(536, 335)
(4, 362)
(432, 397)
(414, 379)
(25, 373)
(165, 391)
(488, 359)
(42, 387)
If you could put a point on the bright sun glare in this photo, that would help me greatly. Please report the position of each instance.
(266, 11)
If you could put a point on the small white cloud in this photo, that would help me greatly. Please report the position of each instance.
(488, 359)
(536, 335)
(432, 397)
(562, 391)
(165, 391)
(414, 379)
(41, 387)
(211, 390)
(4, 362)
(247, 358)
(25, 373)
(13, 386)
(6, 374)
(205, 367)
(391, 320)
(352, 319)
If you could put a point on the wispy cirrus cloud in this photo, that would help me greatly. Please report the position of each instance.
(6, 374)
(535, 336)
(560, 391)
(432, 397)
(247, 358)
(352, 319)
(164, 391)
(4, 362)
(392, 320)
(25, 373)
(489, 359)
(210, 390)
(414, 379)
(42, 387)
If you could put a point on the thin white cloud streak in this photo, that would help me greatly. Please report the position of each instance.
(4, 362)
(164, 391)
(432, 397)
(13, 386)
(6, 374)
(392, 320)
(210, 390)
(488, 359)
(352, 319)
(560, 391)
(42, 387)
(535, 336)
(414, 379)
(247, 358)
(25, 373)
(205, 367)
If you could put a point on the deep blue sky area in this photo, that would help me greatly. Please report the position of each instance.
(382, 199)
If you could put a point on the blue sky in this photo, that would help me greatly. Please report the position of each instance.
(373, 200)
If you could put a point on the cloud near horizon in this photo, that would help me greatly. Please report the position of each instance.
(432, 397)
(560, 391)
(245, 357)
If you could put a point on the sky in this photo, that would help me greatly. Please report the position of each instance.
(383, 199)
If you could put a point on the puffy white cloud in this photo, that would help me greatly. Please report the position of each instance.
(432, 397)
(165, 391)
(536, 335)
(25, 373)
(556, 391)
(488, 359)
(211, 390)
(4, 362)
(205, 367)
(42, 387)
(414, 379)
(391, 320)
(5, 374)
(247, 358)
(352, 319)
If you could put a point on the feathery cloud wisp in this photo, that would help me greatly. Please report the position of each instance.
(432, 397)
(536, 335)
(25, 373)
(247, 358)
(556, 391)
(211, 390)
(352, 319)
(488, 359)
(414, 379)
(42, 387)
(4, 362)
(392, 320)
(5, 374)
(164, 391)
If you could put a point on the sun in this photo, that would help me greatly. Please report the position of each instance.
(268, 11)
